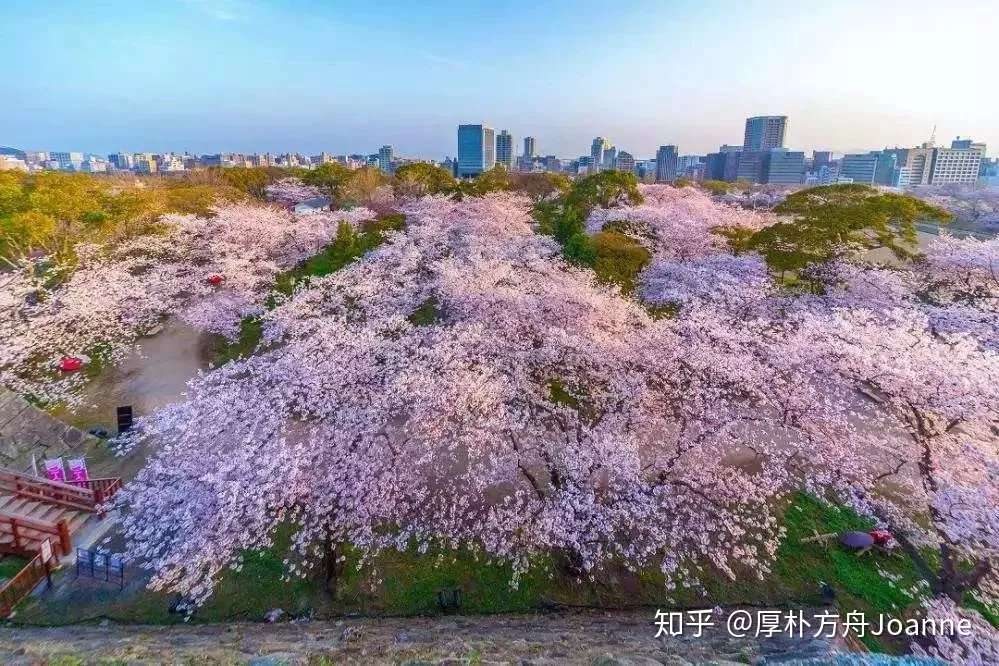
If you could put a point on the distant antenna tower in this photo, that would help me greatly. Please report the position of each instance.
(933, 135)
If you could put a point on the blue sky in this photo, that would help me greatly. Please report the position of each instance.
(343, 76)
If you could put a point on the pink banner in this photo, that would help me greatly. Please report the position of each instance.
(78, 470)
(54, 470)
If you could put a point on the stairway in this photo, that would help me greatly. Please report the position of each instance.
(34, 510)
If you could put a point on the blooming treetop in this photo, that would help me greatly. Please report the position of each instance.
(678, 222)
(291, 191)
(538, 411)
(909, 375)
(210, 271)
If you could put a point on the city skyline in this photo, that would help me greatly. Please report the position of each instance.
(258, 76)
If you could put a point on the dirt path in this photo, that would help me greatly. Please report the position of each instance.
(569, 638)
(153, 375)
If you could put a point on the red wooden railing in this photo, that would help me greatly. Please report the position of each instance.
(27, 534)
(43, 490)
(103, 489)
(21, 585)
(79, 495)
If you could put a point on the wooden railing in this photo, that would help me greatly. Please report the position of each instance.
(27, 535)
(103, 489)
(79, 495)
(22, 584)
(43, 490)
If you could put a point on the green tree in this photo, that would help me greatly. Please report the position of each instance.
(839, 221)
(246, 179)
(496, 179)
(579, 249)
(603, 189)
(541, 186)
(362, 186)
(331, 177)
(619, 259)
(420, 178)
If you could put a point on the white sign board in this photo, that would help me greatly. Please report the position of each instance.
(46, 550)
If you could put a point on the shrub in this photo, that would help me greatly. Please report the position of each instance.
(619, 259)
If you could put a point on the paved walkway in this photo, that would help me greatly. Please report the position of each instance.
(564, 638)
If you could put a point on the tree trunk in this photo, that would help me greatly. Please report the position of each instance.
(955, 583)
(332, 568)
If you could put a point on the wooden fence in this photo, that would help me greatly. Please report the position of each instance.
(22, 584)
(26, 534)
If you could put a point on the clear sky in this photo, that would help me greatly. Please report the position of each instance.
(345, 76)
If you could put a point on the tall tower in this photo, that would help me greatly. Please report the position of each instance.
(666, 159)
(597, 152)
(385, 158)
(764, 133)
(529, 147)
(504, 149)
(476, 150)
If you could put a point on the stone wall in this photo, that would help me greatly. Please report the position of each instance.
(27, 430)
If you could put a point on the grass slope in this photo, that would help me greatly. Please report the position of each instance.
(408, 583)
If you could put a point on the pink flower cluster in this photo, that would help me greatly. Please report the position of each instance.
(210, 271)
(462, 385)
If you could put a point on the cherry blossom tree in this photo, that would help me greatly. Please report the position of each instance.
(906, 360)
(291, 191)
(538, 412)
(968, 638)
(209, 271)
(463, 386)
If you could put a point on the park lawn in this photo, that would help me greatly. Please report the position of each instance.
(408, 583)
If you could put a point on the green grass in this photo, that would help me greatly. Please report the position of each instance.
(859, 582)
(10, 566)
(407, 583)
(251, 330)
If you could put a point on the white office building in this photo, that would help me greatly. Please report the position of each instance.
(959, 164)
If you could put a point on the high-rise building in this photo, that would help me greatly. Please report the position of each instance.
(666, 159)
(959, 164)
(12, 163)
(919, 165)
(689, 166)
(385, 158)
(860, 167)
(625, 162)
(476, 150)
(764, 133)
(504, 149)
(610, 157)
(68, 161)
(597, 149)
(752, 166)
(529, 147)
(821, 158)
(988, 174)
(723, 165)
(121, 161)
(784, 167)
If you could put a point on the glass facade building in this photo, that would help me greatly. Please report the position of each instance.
(476, 150)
